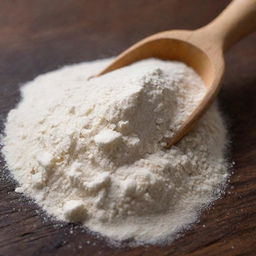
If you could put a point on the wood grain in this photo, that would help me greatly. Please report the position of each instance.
(37, 36)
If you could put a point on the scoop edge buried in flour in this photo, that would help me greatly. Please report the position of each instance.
(202, 49)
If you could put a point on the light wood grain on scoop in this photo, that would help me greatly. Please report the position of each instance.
(202, 49)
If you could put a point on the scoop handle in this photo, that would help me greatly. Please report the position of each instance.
(234, 23)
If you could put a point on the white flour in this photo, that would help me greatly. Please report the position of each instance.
(91, 151)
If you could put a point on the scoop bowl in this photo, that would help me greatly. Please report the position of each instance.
(201, 49)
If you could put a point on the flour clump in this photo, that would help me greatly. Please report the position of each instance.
(92, 151)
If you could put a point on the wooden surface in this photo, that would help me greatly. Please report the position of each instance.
(40, 35)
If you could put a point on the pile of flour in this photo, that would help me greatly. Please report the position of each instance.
(92, 151)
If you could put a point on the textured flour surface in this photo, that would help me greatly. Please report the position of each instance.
(91, 151)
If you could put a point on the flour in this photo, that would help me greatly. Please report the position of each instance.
(92, 151)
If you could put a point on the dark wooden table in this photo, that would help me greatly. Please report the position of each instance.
(41, 35)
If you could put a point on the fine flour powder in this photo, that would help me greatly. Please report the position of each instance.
(92, 151)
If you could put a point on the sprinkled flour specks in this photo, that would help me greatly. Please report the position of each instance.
(92, 151)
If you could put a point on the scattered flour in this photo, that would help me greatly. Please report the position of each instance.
(91, 151)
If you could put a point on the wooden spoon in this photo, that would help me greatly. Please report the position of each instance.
(202, 49)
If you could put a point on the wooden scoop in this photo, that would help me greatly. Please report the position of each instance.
(202, 49)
